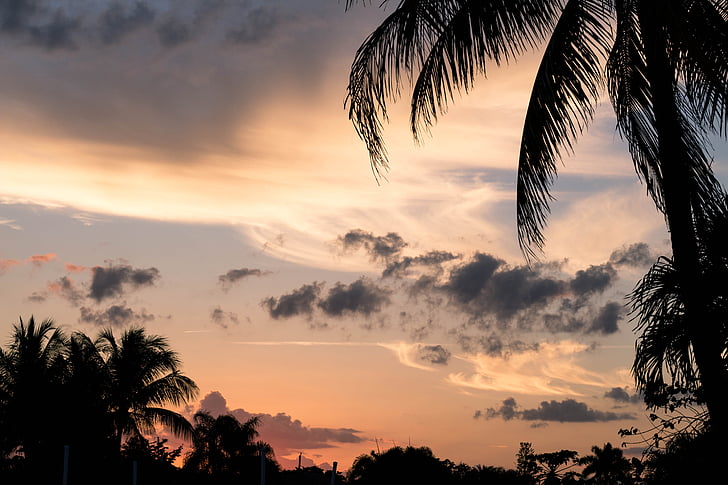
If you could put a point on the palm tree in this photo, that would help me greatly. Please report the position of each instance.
(665, 366)
(144, 375)
(224, 446)
(31, 371)
(663, 66)
(606, 466)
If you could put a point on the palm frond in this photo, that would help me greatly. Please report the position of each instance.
(394, 49)
(562, 103)
(472, 34)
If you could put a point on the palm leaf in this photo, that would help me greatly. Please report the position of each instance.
(562, 103)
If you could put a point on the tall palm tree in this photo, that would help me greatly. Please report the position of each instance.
(144, 375)
(31, 371)
(606, 466)
(662, 63)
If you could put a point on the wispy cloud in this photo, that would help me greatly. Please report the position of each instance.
(548, 369)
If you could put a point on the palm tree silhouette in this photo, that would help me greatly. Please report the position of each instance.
(663, 66)
(31, 370)
(224, 446)
(606, 466)
(143, 375)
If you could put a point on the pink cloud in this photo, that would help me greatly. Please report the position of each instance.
(75, 268)
(7, 263)
(39, 259)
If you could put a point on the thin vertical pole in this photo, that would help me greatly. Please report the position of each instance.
(262, 466)
(333, 474)
(66, 453)
(134, 472)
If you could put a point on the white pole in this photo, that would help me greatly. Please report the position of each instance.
(66, 452)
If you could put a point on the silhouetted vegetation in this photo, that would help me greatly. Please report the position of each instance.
(97, 404)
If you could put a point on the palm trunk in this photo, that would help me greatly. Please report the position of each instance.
(679, 207)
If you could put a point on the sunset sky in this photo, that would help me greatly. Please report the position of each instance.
(189, 166)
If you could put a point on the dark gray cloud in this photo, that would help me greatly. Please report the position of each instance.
(468, 280)
(299, 302)
(607, 319)
(433, 259)
(228, 279)
(173, 32)
(56, 34)
(621, 395)
(566, 411)
(360, 297)
(222, 318)
(115, 315)
(434, 354)
(637, 254)
(15, 14)
(121, 19)
(594, 279)
(281, 430)
(113, 280)
(256, 26)
(381, 248)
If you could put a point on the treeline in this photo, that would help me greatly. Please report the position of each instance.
(77, 411)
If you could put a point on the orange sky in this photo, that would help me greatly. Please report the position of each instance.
(219, 154)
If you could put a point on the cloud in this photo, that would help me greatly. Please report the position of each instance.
(115, 316)
(173, 32)
(637, 254)
(434, 354)
(228, 279)
(257, 26)
(57, 33)
(112, 280)
(282, 431)
(223, 318)
(380, 248)
(594, 279)
(66, 288)
(566, 411)
(39, 259)
(542, 369)
(122, 19)
(75, 268)
(11, 223)
(15, 14)
(607, 319)
(433, 259)
(360, 297)
(621, 395)
(299, 302)
(5, 264)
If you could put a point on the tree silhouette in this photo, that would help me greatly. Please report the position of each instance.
(31, 370)
(555, 466)
(606, 466)
(226, 448)
(143, 375)
(663, 66)
(399, 465)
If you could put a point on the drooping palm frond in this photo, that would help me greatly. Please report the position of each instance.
(474, 33)
(699, 34)
(663, 351)
(565, 91)
(393, 50)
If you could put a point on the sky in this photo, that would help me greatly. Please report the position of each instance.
(189, 166)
